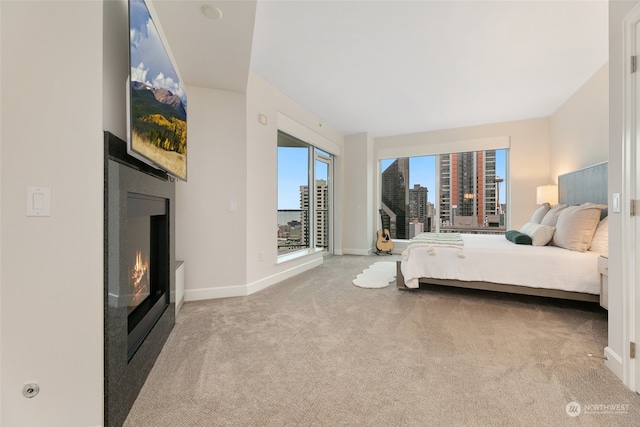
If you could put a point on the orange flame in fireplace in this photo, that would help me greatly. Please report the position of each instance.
(140, 279)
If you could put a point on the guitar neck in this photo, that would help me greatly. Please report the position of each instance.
(385, 223)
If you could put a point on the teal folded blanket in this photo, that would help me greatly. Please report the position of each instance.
(517, 237)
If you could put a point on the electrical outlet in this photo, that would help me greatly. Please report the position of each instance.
(261, 255)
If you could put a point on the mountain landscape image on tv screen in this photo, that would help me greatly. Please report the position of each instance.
(158, 103)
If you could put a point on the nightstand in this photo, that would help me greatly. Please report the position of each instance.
(603, 269)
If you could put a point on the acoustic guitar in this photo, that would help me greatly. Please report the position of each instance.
(383, 241)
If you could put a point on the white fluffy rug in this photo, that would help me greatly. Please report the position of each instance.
(377, 275)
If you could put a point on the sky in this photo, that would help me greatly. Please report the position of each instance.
(293, 167)
(149, 61)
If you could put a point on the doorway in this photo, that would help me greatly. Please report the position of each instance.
(323, 167)
(305, 197)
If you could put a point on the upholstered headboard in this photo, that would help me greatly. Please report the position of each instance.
(584, 185)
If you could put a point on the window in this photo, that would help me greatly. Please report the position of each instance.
(466, 186)
(304, 217)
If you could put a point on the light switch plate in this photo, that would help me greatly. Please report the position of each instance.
(38, 201)
(615, 202)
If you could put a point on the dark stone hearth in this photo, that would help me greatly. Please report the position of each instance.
(128, 360)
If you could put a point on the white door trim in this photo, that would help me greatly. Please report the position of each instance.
(630, 191)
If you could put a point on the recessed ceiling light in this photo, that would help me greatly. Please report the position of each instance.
(211, 11)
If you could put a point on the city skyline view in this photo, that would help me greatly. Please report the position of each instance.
(293, 172)
(423, 172)
(461, 196)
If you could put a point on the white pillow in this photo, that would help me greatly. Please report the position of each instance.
(551, 218)
(576, 226)
(600, 241)
(540, 234)
(539, 213)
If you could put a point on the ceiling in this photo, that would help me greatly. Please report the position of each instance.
(396, 67)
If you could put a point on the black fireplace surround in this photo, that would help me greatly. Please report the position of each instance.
(139, 278)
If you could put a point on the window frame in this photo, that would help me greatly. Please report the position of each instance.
(501, 190)
(314, 154)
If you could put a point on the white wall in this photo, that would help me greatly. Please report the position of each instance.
(210, 238)
(262, 98)
(579, 134)
(233, 157)
(359, 201)
(1, 314)
(579, 129)
(51, 271)
(115, 67)
(528, 156)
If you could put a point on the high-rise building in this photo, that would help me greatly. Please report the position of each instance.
(322, 214)
(468, 194)
(304, 207)
(395, 197)
(321, 197)
(419, 206)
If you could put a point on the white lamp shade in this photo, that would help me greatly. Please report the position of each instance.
(547, 194)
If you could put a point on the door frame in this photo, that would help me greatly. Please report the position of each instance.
(630, 225)
(319, 157)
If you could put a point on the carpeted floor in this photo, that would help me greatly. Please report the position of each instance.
(315, 350)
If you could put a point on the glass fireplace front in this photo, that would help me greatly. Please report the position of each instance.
(147, 263)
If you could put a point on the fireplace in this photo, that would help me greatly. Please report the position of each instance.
(147, 265)
(139, 274)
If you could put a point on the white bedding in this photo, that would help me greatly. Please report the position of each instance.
(493, 258)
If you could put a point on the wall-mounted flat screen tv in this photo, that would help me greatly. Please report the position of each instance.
(157, 116)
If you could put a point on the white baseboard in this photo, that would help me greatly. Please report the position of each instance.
(397, 250)
(349, 251)
(283, 275)
(215, 292)
(251, 288)
(613, 362)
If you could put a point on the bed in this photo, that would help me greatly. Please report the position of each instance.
(565, 266)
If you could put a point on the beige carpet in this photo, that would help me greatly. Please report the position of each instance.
(315, 350)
